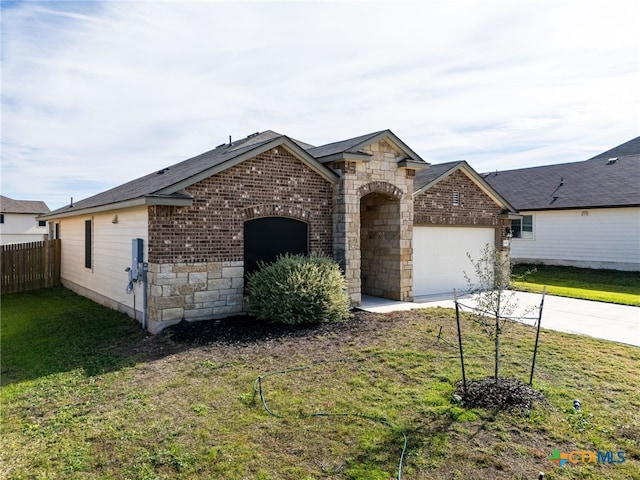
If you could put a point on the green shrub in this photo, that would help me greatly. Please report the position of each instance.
(298, 289)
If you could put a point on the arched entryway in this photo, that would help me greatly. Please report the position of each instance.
(380, 254)
(266, 238)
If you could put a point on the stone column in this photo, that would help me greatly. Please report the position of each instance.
(346, 230)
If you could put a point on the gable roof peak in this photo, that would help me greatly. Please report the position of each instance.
(354, 146)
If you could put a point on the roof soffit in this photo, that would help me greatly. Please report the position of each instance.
(179, 200)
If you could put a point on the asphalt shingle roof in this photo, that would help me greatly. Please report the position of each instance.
(632, 147)
(341, 146)
(155, 182)
(424, 177)
(9, 205)
(165, 183)
(597, 182)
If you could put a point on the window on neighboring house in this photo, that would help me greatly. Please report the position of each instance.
(87, 243)
(456, 199)
(42, 223)
(522, 227)
(1, 217)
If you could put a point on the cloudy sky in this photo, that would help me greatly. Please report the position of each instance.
(98, 93)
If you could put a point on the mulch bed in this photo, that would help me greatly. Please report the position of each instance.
(243, 330)
(507, 394)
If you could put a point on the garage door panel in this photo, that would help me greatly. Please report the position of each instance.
(440, 257)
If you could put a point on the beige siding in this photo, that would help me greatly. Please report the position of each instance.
(106, 282)
(595, 238)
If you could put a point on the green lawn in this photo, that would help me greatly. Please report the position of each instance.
(86, 394)
(610, 286)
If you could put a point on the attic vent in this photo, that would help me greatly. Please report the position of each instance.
(253, 134)
(456, 199)
(611, 161)
(221, 145)
(163, 171)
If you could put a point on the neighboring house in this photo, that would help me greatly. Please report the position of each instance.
(583, 214)
(207, 221)
(18, 222)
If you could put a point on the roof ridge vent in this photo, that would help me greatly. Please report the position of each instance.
(611, 161)
(253, 135)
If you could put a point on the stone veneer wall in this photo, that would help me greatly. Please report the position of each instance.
(380, 240)
(196, 268)
(379, 175)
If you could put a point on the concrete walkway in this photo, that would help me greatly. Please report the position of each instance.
(619, 323)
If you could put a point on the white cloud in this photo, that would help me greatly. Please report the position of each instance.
(95, 94)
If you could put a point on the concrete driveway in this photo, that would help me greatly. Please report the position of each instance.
(619, 323)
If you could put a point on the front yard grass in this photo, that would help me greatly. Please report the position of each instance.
(610, 286)
(86, 394)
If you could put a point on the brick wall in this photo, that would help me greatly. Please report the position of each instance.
(272, 183)
(196, 268)
(435, 206)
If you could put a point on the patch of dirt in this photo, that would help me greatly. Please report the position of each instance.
(246, 330)
(507, 394)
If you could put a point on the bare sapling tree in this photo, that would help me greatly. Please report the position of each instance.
(495, 305)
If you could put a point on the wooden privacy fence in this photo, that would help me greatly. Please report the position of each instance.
(29, 266)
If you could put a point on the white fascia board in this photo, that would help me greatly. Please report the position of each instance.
(135, 202)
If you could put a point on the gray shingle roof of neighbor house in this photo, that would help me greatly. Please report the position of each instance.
(9, 205)
(610, 179)
(425, 179)
(166, 185)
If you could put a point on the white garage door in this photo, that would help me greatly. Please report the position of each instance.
(440, 257)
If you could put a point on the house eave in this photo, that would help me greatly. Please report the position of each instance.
(578, 207)
(475, 178)
(413, 164)
(148, 200)
(510, 216)
(391, 137)
(283, 141)
(346, 156)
